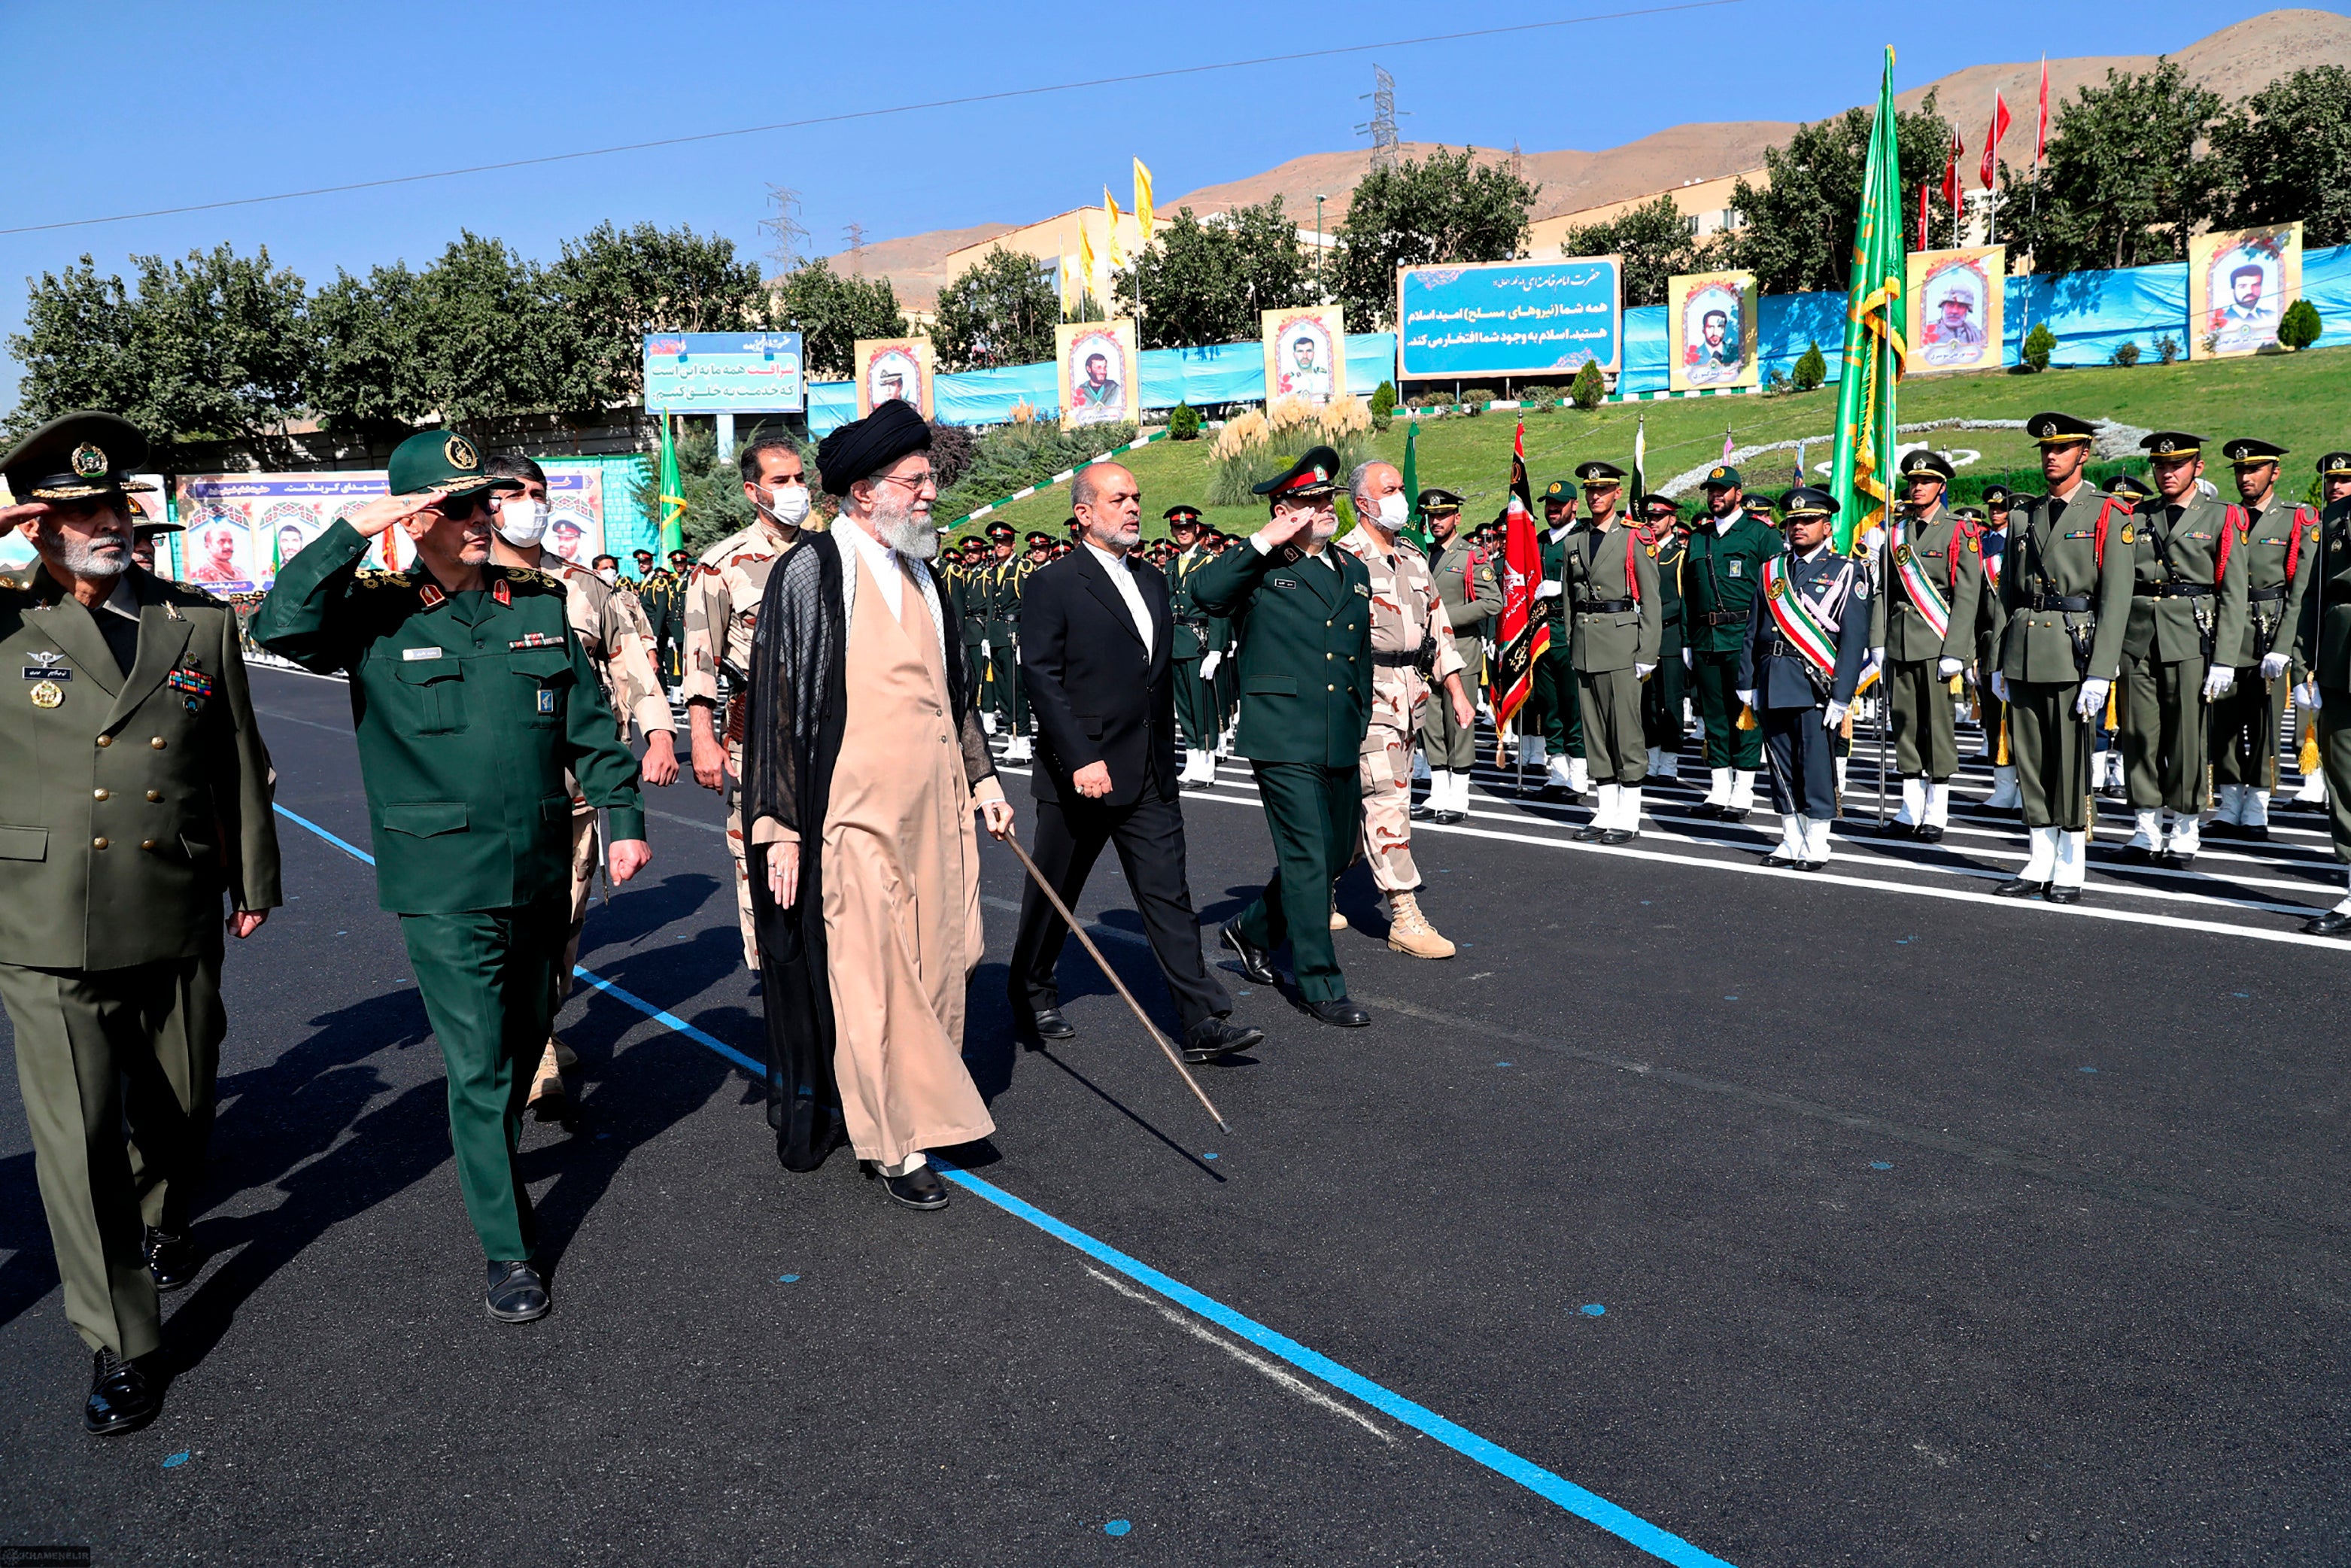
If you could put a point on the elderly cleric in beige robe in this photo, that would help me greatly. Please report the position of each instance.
(863, 766)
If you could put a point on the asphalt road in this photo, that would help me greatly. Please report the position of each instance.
(1922, 1228)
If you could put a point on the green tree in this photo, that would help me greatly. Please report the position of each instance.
(369, 375)
(2286, 153)
(1448, 208)
(1206, 282)
(1000, 311)
(2300, 327)
(2127, 178)
(612, 286)
(1796, 232)
(1812, 368)
(78, 351)
(831, 312)
(1654, 240)
(1588, 388)
(488, 340)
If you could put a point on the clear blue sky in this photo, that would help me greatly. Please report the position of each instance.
(142, 105)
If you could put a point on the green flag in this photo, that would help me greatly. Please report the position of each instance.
(1415, 528)
(673, 495)
(1862, 479)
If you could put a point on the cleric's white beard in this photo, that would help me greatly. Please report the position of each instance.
(905, 531)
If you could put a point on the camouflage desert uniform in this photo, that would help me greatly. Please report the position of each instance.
(724, 592)
(1406, 612)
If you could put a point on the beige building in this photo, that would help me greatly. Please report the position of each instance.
(1705, 206)
(1051, 239)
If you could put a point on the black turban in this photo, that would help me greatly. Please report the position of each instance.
(863, 447)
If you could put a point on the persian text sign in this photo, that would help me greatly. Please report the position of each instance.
(724, 373)
(1509, 319)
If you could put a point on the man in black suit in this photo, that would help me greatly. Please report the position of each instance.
(1096, 640)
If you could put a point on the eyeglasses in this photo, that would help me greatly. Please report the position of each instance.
(459, 509)
(913, 481)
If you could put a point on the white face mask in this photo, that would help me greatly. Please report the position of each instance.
(787, 503)
(611, 574)
(1394, 510)
(522, 522)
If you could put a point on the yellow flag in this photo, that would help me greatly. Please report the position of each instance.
(1143, 199)
(1110, 212)
(1071, 290)
(1085, 263)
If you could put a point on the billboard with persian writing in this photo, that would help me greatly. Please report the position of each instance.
(724, 373)
(1491, 318)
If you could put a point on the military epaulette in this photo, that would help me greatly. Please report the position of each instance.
(384, 580)
(190, 593)
(534, 578)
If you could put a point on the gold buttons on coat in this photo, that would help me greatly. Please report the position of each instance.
(106, 740)
(100, 794)
(157, 743)
(146, 844)
(155, 795)
(98, 843)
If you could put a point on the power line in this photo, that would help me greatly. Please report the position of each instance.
(1283, 59)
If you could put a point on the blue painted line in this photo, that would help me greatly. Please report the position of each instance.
(1585, 1505)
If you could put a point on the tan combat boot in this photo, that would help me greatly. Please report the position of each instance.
(1410, 931)
(547, 1084)
(1338, 921)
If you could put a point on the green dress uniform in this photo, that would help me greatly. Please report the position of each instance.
(664, 606)
(1663, 694)
(1718, 576)
(1305, 705)
(136, 796)
(2322, 647)
(1472, 591)
(1993, 547)
(469, 707)
(1550, 711)
(1195, 699)
(1944, 554)
(1000, 582)
(1612, 583)
(2065, 588)
(2278, 542)
(2184, 609)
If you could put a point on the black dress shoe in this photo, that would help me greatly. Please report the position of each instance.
(1618, 836)
(1780, 860)
(1730, 813)
(918, 1188)
(1422, 812)
(1214, 1037)
(1588, 833)
(1897, 830)
(2333, 923)
(2258, 833)
(1052, 1025)
(1928, 833)
(1341, 1013)
(1812, 866)
(2017, 887)
(120, 1398)
(2055, 894)
(2175, 860)
(1448, 818)
(1254, 961)
(172, 1259)
(2217, 829)
(1560, 795)
(515, 1294)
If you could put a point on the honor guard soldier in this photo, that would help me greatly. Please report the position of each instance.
(1664, 692)
(2065, 602)
(656, 591)
(2278, 541)
(722, 611)
(1614, 634)
(1927, 624)
(1551, 728)
(1472, 591)
(1194, 651)
(1725, 559)
(2322, 648)
(2334, 485)
(1000, 592)
(1305, 671)
(1997, 500)
(1414, 665)
(138, 791)
(2186, 603)
(1808, 637)
(145, 532)
(477, 709)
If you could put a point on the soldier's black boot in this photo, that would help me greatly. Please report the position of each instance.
(121, 1399)
(1255, 962)
(515, 1294)
(172, 1259)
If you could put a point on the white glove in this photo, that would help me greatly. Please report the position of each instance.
(2219, 682)
(2306, 694)
(1946, 667)
(1641, 672)
(1748, 697)
(1833, 718)
(1689, 663)
(1208, 666)
(1999, 685)
(2091, 703)
(983, 648)
(2273, 665)
(1877, 657)
(1550, 589)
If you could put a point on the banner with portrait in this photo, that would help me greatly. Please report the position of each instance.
(1711, 318)
(1306, 352)
(893, 369)
(2239, 284)
(1094, 365)
(1953, 318)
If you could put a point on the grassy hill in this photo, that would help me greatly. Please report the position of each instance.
(2297, 400)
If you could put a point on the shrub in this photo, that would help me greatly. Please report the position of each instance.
(2167, 348)
(1256, 446)
(2039, 344)
(2126, 355)
(1812, 370)
(1589, 386)
(1184, 422)
(1383, 402)
(2300, 326)
(1541, 396)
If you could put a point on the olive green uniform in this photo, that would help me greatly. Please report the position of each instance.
(1305, 680)
(1949, 555)
(2064, 615)
(999, 583)
(1194, 638)
(2246, 723)
(134, 794)
(469, 707)
(1718, 576)
(2182, 609)
(2322, 648)
(1663, 694)
(1550, 708)
(1615, 629)
(1466, 584)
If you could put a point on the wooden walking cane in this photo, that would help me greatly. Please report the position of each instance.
(1141, 1016)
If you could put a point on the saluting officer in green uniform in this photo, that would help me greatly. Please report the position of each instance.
(471, 697)
(1472, 591)
(2322, 648)
(1727, 551)
(1306, 704)
(1925, 621)
(134, 789)
(2065, 588)
(1191, 649)
(1550, 725)
(2188, 602)
(1616, 631)
(1663, 693)
(2279, 541)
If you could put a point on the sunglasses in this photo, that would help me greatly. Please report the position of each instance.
(460, 508)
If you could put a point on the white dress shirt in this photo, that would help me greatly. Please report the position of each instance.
(881, 559)
(1121, 576)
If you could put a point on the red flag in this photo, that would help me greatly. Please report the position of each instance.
(1521, 638)
(2040, 135)
(1952, 172)
(1925, 192)
(1991, 139)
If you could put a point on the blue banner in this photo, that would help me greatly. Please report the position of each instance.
(723, 372)
(1507, 318)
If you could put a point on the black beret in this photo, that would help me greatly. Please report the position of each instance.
(863, 447)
